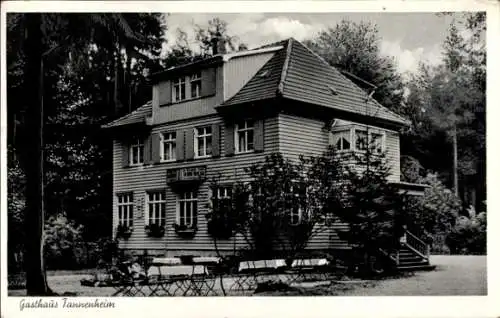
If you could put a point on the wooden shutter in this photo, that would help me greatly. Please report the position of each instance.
(215, 140)
(155, 148)
(179, 145)
(147, 150)
(125, 153)
(229, 139)
(208, 82)
(165, 93)
(259, 135)
(189, 143)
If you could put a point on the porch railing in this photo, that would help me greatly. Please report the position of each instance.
(417, 245)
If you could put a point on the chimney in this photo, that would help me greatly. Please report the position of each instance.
(218, 44)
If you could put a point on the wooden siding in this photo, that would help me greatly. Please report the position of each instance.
(304, 136)
(198, 107)
(140, 179)
(239, 70)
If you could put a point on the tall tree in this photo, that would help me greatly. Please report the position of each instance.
(47, 35)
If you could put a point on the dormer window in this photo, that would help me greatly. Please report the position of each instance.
(196, 85)
(179, 89)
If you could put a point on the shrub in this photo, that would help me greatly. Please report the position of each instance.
(468, 236)
(432, 216)
(63, 243)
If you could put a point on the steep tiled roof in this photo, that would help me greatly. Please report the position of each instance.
(297, 73)
(137, 116)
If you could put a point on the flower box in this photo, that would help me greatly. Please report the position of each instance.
(123, 231)
(155, 230)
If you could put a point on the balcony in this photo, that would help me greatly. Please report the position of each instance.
(191, 175)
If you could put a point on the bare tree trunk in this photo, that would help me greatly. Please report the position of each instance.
(36, 281)
(118, 82)
(455, 161)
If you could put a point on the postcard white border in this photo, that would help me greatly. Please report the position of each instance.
(419, 306)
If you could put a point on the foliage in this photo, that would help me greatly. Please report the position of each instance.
(16, 205)
(63, 242)
(217, 28)
(155, 230)
(123, 231)
(373, 207)
(220, 218)
(432, 216)
(446, 104)
(468, 236)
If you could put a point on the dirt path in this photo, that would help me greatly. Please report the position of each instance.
(454, 275)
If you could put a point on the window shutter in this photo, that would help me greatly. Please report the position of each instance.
(179, 145)
(229, 139)
(125, 154)
(155, 148)
(147, 150)
(165, 93)
(208, 82)
(215, 140)
(189, 144)
(259, 135)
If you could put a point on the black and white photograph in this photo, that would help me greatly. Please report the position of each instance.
(242, 154)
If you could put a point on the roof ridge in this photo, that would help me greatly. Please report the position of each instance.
(284, 70)
(347, 79)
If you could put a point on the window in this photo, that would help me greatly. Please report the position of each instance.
(125, 209)
(187, 209)
(224, 192)
(295, 215)
(179, 91)
(156, 207)
(137, 153)
(361, 139)
(196, 85)
(203, 142)
(377, 142)
(244, 136)
(342, 140)
(167, 146)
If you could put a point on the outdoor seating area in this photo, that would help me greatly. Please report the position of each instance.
(208, 276)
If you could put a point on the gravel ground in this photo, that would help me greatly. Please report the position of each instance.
(454, 275)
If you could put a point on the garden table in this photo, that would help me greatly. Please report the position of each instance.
(250, 273)
(308, 268)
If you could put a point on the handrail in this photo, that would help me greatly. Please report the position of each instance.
(417, 245)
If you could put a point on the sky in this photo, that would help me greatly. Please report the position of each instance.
(409, 37)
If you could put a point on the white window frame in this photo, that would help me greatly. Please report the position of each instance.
(370, 133)
(245, 131)
(187, 198)
(350, 139)
(168, 140)
(178, 83)
(137, 147)
(125, 207)
(195, 82)
(156, 207)
(201, 134)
